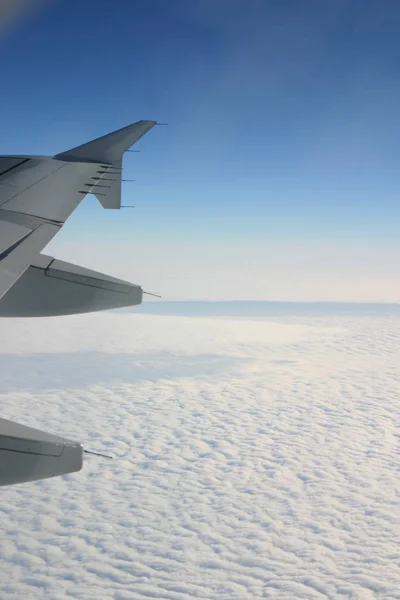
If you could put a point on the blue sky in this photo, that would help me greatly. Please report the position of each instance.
(278, 175)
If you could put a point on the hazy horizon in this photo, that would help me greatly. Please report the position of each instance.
(261, 308)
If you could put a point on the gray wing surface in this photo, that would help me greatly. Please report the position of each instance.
(37, 195)
(27, 454)
(51, 287)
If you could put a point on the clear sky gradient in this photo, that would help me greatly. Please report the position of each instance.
(278, 175)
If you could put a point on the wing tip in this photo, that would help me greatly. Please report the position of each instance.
(108, 148)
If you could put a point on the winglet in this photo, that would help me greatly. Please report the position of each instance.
(108, 148)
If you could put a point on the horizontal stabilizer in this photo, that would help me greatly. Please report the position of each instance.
(108, 148)
(52, 287)
(27, 454)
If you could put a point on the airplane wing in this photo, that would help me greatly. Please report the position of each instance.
(27, 454)
(37, 195)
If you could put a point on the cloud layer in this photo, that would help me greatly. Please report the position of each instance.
(254, 459)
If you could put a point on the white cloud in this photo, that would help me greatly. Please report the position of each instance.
(254, 459)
